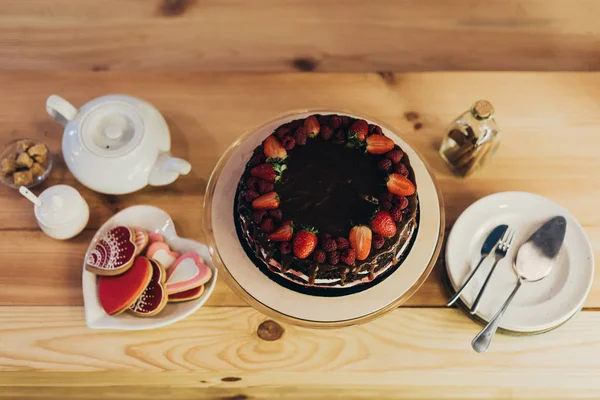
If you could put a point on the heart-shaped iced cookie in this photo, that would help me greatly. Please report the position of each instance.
(186, 273)
(191, 294)
(141, 239)
(154, 297)
(114, 253)
(155, 237)
(161, 252)
(117, 293)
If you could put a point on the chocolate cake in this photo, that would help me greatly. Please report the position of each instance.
(327, 205)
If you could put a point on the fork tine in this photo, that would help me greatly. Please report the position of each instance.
(504, 238)
(510, 240)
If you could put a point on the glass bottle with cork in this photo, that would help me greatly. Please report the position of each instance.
(472, 139)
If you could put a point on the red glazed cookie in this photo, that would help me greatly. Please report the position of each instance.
(141, 239)
(188, 295)
(114, 253)
(117, 293)
(154, 297)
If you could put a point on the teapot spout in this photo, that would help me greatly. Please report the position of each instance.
(167, 169)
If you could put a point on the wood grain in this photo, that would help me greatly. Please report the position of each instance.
(396, 356)
(299, 35)
(550, 124)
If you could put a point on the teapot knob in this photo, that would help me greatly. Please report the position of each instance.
(60, 109)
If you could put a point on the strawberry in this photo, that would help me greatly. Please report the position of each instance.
(348, 257)
(304, 243)
(400, 185)
(379, 144)
(283, 233)
(395, 155)
(359, 130)
(264, 171)
(312, 126)
(383, 224)
(273, 149)
(360, 241)
(267, 201)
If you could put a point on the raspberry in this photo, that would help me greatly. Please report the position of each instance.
(257, 160)
(326, 132)
(285, 248)
(401, 201)
(385, 205)
(385, 165)
(333, 258)
(345, 121)
(378, 241)
(265, 187)
(319, 256)
(335, 122)
(258, 215)
(339, 136)
(329, 245)
(396, 214)
(267, 225)
(295, 124)
(342, 243)
(401, 169)
(395, 155)
(323, 119)
(375, 130)
(288, 143)
(252, 183)
(276, 214)
(387, 196)
(251, 195)
(282, 132)
(323, 237)
(348, 257)
(300, 136)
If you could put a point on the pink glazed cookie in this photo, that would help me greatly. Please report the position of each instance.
(114, 253)
(141, 239)
(155, 237)
(161, 252)
(186, 273)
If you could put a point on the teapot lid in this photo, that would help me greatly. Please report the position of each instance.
(112, 128)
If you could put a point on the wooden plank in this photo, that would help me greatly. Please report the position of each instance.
(399, 355)
(549, 149)
(306, 35)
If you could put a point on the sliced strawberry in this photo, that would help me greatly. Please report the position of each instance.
(312, 126)
(359, 130)
(283, 233)
(360, 241)
(400, 185)
(268, 201)
(273, 149)
(379, 144)
(383, 224)
(264, 171)
(304, 243)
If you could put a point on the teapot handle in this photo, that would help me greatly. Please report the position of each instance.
(60, 109)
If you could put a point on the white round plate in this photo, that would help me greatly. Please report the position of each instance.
(260, 291)
(538, 306)
(155, 220)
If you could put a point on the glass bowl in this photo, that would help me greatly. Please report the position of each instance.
(12, 149)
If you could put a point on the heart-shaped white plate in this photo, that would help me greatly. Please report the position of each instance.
(151, 219)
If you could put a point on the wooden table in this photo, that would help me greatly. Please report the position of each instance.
(551, 125)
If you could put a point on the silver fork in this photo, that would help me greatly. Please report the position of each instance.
(500, 252)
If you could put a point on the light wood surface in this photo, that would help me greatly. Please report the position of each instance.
(299, 35)
(550, 123)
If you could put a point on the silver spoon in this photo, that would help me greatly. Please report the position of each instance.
(534, 261)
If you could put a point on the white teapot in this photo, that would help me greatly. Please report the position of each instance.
(116, 144)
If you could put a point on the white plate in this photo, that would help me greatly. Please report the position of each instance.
(151, 219)
(267, 295)
(538, 306)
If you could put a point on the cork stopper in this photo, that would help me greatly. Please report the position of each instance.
(482, 109)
